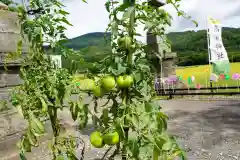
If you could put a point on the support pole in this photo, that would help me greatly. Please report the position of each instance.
(209, 57)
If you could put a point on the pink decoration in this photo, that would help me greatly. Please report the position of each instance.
(198, 86)
(171, 80)
(236, 76)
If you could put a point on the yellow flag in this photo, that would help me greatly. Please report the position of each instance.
(213, 21)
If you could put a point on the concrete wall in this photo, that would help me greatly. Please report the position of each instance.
(169, 58)
(169, 67)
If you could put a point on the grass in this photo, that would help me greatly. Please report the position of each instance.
(202, 74)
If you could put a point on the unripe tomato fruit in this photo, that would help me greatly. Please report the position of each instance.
(127, 42)
(108, 83)
(120, 41)
(124, 81)
(111, 138)
(96, 139)
(98, 91)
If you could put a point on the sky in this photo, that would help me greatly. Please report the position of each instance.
(93, 17)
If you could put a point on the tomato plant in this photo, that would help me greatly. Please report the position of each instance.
(130, 119)
(134, 120)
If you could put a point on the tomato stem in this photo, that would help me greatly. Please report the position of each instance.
(126, 92)
(55, 127)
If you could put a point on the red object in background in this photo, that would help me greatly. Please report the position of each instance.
(222, 76)
(198, 86)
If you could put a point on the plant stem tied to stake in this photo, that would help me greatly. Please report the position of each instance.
(129, 63)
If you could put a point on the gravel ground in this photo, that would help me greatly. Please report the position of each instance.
(207, 129)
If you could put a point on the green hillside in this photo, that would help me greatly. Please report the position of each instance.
(191, 46)
(95, 39)
(197, 41)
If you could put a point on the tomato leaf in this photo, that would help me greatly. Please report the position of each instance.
(167, 146)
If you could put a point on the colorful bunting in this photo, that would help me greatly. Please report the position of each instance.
(222, 76)
(213, 78)
(236, 76)
(189, 80)
(227, 77)
(171, 80)
(193, 78)
(198, 86)
(180, 78)
(206, 70)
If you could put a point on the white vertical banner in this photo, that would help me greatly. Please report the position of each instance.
(216, 47)
(57, 60)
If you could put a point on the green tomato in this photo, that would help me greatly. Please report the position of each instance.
(98, 91)
(111, 138)
(127, 42)
(124, 81)
(96, 139)
(120, 42)
(108, 83)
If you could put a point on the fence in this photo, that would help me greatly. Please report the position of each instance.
(189, 91)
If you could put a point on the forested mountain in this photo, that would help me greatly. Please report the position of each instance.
(191, 46)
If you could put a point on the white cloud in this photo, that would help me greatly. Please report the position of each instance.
(226, 11)
(93, 17)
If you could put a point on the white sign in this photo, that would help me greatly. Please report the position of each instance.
(57, 59)
(217, 50)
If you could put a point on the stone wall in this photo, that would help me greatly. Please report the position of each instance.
(10, 77)
(9, 38)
